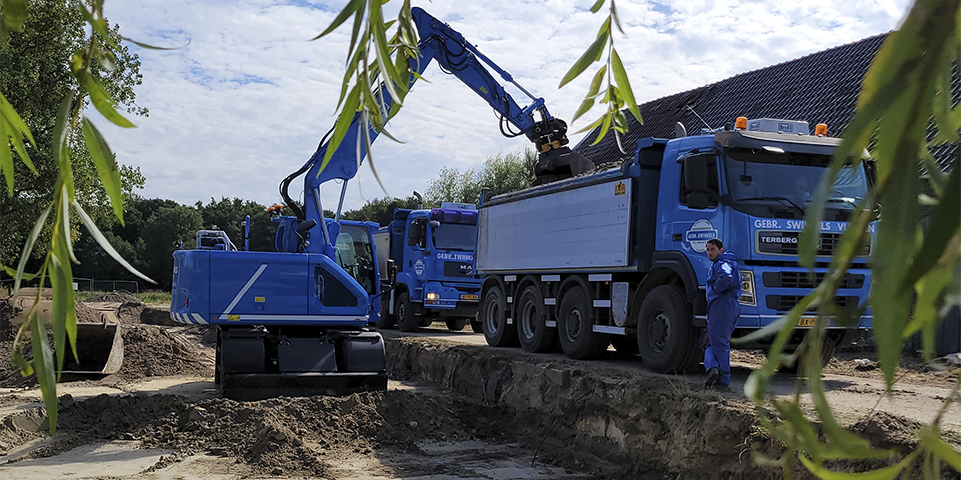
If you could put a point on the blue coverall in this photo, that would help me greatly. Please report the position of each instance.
(723, 290)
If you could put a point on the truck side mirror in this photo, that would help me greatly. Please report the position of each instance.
(414, 234)
(433, 224)
(417, 234)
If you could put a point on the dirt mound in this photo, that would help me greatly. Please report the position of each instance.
(115, 296)
(129, 313)
(86, 314)
(282, 436)
(151, 351)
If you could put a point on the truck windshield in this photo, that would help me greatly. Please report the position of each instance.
(787, 181)
(450, 236)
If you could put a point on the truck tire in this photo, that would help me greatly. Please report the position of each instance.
(386, 320)
(829, 346)
(575, 329)
(666, 337)
(532, 333)
(456, 324)
(493, 316)
(406, 320)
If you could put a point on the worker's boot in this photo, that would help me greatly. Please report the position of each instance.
(711, 380)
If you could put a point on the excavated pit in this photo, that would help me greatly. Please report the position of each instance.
(452, 411)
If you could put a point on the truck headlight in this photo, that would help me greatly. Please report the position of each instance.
(433, 296)
(747, 289)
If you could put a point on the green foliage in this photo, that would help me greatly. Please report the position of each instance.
(35, 79)
(154, 296)
(50, 95)
(500, 174)
(374, 65)
(229, 215)
(906, 86)
(617, 93)
(380, 210)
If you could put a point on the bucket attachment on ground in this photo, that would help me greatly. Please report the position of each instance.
(100, 348)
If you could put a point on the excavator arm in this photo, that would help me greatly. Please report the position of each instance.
(458, 57)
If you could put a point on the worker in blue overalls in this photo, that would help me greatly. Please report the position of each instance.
(723, 291)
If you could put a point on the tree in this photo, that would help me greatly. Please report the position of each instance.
(500, 174)
(380, 210)
(91, 67)
(229, 216)
(35, 78)
(164, 231)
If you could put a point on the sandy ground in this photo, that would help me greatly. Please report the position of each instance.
(160, 416)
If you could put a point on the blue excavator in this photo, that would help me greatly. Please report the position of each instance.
(295, 322)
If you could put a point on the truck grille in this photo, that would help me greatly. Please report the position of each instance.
(784, 303)
(803, 280)
(785, 243)
(458, 269)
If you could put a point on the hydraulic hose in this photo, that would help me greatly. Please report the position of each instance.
(285, 183)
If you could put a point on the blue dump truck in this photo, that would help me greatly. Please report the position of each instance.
(618, 256)
(428, 260)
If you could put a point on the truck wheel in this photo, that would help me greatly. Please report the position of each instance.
(665, 333)
(532, 334)
(386, 320)
(406, 320)
(829, 346)
(493, 316)
(456, 324)
(575, 328)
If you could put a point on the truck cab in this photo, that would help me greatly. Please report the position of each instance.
(429, 257)
(751, 188)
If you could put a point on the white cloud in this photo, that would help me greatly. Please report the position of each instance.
(246, 101)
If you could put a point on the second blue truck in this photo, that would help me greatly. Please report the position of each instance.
(426, 260)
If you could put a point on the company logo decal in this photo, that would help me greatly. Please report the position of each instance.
(457, 257)
(699, 234)
(419, 267)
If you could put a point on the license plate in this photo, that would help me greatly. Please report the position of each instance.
(467, 296)
(806, 321)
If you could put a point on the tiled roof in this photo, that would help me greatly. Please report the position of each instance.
(819, 88)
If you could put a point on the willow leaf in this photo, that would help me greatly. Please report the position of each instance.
(102, 241)
(591, 55)
(104, 104)
(624, 85)
(105, 161)
(944, 225)
(351, 7)
(28, 247)
(887, 473)
(44, 366)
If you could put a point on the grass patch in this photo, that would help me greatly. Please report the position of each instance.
(153, 296)
(147, 296)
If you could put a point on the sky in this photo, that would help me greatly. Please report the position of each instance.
(246, 98)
